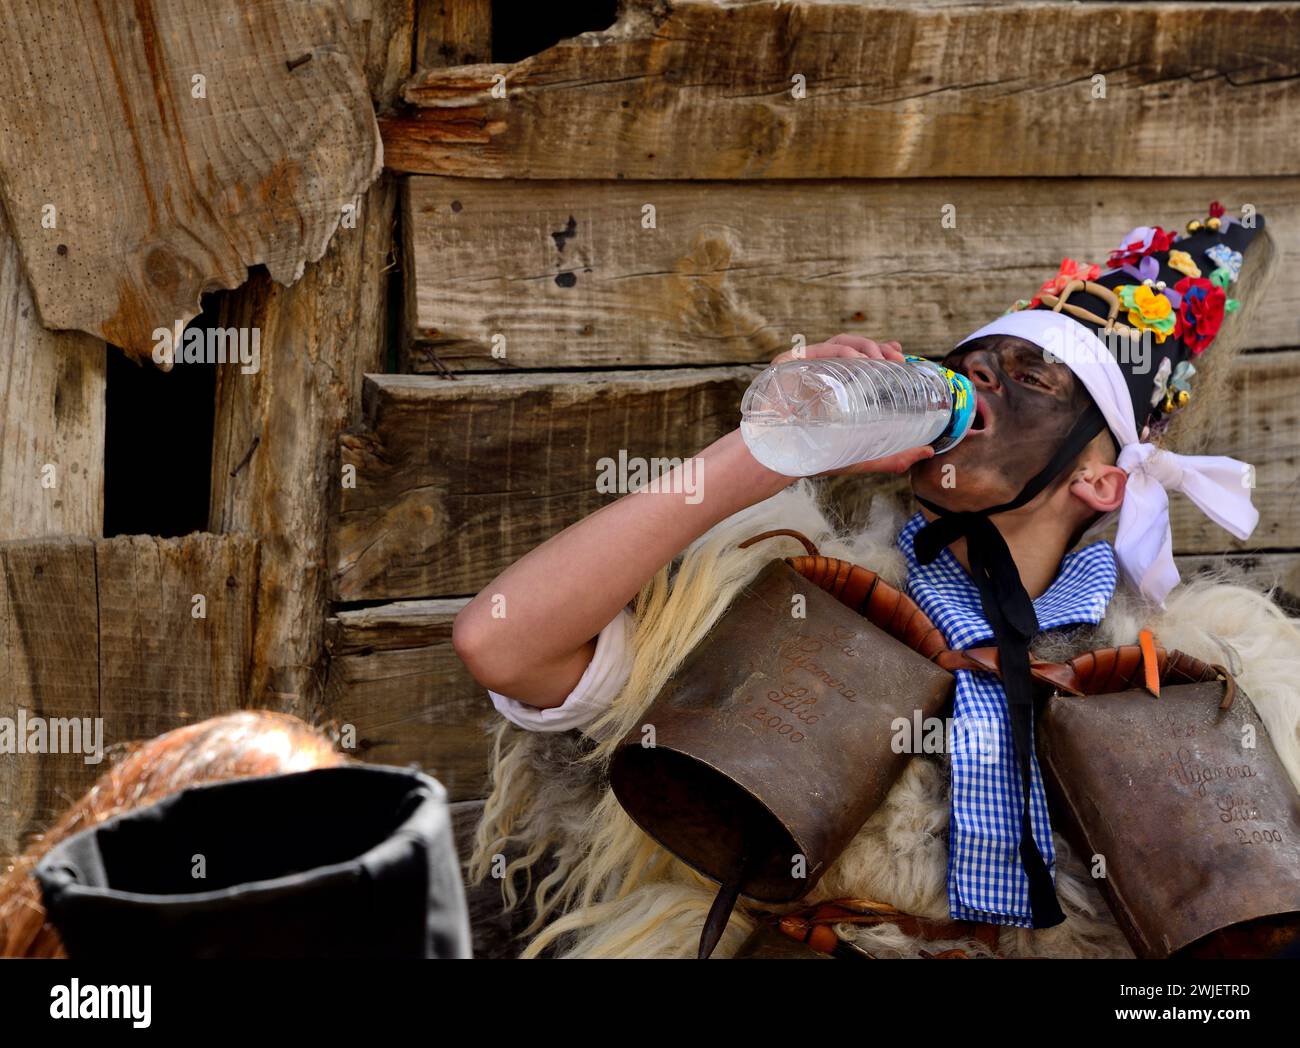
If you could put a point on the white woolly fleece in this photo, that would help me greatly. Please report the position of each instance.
(900, 855)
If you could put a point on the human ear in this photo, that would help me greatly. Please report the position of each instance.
(1100, 487)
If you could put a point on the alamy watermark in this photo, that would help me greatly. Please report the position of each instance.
(212, 345)
(658, 475)
(978, 738)
(26, 734)
(1076, 346)
(72, 1000)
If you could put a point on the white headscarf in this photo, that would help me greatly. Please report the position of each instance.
(1219, 486)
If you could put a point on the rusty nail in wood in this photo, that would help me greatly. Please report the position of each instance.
(247, 455)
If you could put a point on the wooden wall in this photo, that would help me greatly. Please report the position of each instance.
(145, 633)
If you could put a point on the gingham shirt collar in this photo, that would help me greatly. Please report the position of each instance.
(1079, 593)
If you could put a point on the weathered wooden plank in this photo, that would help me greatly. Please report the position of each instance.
(705, 90)
(104, 628)
(392, 627)
(455, 480)
(175, 629)
(452, 32)
(395, 679)
(49, 659)
(274, 464)
(567, 275)
(51, 417)
(385, 38)
(186, 142)
(1259, 424)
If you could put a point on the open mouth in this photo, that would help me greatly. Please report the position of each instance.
(981, 422)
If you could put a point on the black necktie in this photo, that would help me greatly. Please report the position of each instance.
(1010, 614)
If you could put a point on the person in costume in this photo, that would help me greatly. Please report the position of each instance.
(1077, 387)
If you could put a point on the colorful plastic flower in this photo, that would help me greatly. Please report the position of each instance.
(1140, 242)
(1182, 261)
(1224, 257)
(1149, 310)
(1202, 310)
(1070, 270)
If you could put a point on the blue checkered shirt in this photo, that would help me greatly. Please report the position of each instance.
(985, 879)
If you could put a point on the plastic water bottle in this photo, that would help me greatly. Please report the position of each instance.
(803, 417)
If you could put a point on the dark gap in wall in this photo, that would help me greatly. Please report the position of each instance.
(382, 602)
(524, 27)
(158, 443)
(395, 296)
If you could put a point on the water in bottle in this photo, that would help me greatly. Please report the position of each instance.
(803, 417)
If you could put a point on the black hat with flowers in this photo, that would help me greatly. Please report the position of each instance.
(1173, 290)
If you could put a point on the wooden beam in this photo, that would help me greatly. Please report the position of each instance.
(397, 684)
(275, 468)
(274, 462)
(457, 479)
(702, 90)
(175, 629)
(49, 655)
(1258, 424)
(187, 142)
(452, 33)
(569, 274)
(52, 387)
(107, 628)
(385, 35)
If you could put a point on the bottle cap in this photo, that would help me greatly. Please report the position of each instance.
(963, 405)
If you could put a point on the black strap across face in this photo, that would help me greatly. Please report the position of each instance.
(1009, 611)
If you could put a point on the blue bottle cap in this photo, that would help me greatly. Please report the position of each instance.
(963, 405)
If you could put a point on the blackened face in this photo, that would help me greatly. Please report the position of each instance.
(1026, 406)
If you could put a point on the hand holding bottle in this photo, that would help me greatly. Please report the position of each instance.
(852, 405)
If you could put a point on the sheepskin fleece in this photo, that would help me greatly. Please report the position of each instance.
(615, 893)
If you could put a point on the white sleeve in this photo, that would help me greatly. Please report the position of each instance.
(603, 679)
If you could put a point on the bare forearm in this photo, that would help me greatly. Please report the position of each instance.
(533, 625)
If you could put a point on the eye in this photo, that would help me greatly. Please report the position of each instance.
(1031, 379)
